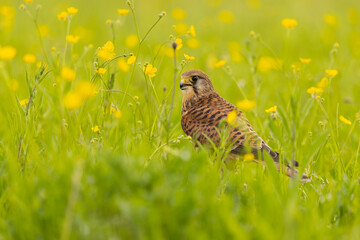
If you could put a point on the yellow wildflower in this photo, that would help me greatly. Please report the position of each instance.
(331, 72)
(231, 117)
(179, 43)
(305, 60)
(101, 71)
(192, 31)
(131, 41)
(117, 113)
(68, 74)
(226, 16)
(122, 65)
(178, 14)
(330, 20)
(181, 28)
(265, 64)
(324, 82)
(72, 100)
(189, 58)
(271, 110)
(123, 12)
(72, 10)
(108, 21)
(112, 109)
(29, 58)
(193, 43)
(22, 6)
(62, 16)
(107, 51)
(7, 53)
(248, 157)
(289, 23)
(150, 70)
(72, 38)
(131, 60)
(24, 102)
(28, 1)
(95, 129)
(313, 90)
(344, 120)
(246, 104)
(85, 89)
(220, 64)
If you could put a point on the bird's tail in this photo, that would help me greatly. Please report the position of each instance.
(275, 156)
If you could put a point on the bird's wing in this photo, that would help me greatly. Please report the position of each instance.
(203, 122)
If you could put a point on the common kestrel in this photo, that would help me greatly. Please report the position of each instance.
(202, 111)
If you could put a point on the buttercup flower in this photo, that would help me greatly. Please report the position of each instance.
(313, 90)
(131, 60)
(289, 23)
(220, 64)
(68, 74)
(72, 38)
(324, 82)
(189, 58)
(331, 72)
(192, 31)
(95, 129)
(131, 41)
(101, 71)
(24, 102)
(271, 110)
(29, 58)
(266, 64)
(7, 53)
(246, 104)
(72, 100)
(85, 89)
(305, 60)
(150, 70)
(248, 157)
(179, 45)
(123, 12)
(122, 65)
(344, 120)
(106, 52)
(62, 16)
(72, 10)
(231, 117)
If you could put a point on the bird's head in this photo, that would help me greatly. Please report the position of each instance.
(195, 83)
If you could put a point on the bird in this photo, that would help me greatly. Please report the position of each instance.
(203, 111)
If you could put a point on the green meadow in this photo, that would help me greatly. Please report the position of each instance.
(91, 145)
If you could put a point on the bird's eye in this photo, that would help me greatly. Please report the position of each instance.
(194, 78)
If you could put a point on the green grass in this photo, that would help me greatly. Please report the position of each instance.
(139, 177)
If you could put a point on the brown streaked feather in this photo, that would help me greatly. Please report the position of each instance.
(203, 116)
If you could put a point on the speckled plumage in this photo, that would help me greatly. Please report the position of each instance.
(202, 111)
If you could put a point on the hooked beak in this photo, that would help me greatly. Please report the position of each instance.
(184, 83)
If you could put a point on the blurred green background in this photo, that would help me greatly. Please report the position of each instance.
(136, 176)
